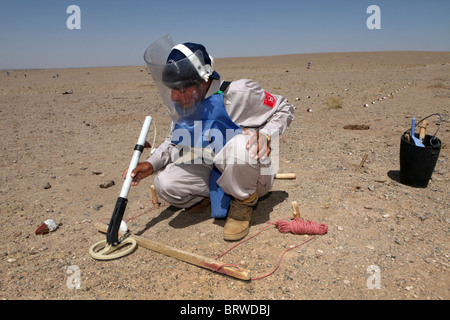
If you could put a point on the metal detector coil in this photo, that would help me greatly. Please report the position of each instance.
(107, 252)
(112, 235)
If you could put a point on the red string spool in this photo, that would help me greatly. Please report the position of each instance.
(300, 226)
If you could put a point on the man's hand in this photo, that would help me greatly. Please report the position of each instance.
(142, 170)
(262, 148)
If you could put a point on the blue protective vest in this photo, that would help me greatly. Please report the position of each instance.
(211, 131)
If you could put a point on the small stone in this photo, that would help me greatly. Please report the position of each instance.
(47, 185)
(107, 184)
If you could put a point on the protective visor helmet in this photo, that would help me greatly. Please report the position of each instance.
(178, 72)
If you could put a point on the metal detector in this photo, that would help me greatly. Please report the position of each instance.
(113, 242)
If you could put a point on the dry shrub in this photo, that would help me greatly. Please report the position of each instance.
(334, 102)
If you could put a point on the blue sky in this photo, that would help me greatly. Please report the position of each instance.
(33, 34)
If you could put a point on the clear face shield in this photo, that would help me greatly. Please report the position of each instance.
(180, 83)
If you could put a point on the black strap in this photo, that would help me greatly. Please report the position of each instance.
(223, 87)
(139, 147)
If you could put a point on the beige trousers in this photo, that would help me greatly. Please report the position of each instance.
(185, 184)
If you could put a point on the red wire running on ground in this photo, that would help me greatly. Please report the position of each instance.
(296, 226)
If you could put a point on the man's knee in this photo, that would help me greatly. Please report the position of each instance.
(162, 185)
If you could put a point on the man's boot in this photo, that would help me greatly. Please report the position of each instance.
(239, 216)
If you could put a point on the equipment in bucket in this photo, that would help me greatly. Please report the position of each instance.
(418, 157)
(423, 130)
(112, 242)
(414, 140)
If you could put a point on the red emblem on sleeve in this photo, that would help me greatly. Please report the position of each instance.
(269, 100)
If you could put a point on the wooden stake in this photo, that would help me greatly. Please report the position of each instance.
(363, 160)
(296, 210)
(207, 263)
(155, 201)
(285, 176)
(408, 137)
(423, 128)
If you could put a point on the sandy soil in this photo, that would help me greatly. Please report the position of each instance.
(57, 149)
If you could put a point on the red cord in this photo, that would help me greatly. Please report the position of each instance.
(296, 226)
(300, 226)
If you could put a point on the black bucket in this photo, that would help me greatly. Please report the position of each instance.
(417, 163)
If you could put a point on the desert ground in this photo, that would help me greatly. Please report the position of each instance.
(57, 149)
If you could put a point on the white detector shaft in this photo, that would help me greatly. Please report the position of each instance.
(135, 159)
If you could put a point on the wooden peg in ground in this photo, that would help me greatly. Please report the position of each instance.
(363, 160)
(155, 201)
(296, 210)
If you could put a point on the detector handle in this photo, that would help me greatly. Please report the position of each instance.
(135, 159)
(112, 235)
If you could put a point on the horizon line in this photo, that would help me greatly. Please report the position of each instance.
(237, 57)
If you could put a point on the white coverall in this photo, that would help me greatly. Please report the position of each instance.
(249, 106)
